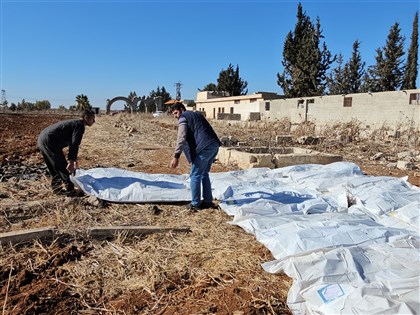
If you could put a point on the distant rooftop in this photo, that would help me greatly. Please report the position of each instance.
(207, 95)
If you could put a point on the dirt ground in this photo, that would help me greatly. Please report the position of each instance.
(213, 269)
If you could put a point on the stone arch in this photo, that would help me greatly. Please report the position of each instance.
(131, 102)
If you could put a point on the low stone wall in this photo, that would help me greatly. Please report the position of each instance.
(277, 157)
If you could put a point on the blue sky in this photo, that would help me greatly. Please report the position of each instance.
(55, 50)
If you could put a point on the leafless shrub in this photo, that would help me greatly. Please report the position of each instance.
(344, 132)
(407, 134)
(304, 129)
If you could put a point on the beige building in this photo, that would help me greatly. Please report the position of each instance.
(373, 109)
(243, 107)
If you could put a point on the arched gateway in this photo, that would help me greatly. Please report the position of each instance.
(133, 102)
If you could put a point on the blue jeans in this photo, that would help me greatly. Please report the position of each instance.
(199, 174)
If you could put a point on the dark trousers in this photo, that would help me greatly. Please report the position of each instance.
(57, 164)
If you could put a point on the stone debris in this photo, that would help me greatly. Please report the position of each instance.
(228, 141)
(405, 155)
(125, 126)
(310, 140)
(378, 156)
(21, 171)
(405, 165)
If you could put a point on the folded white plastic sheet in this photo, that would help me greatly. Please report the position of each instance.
(118, 185)
(123, 186)
(349, 241)
(294, 235)
(374, 279)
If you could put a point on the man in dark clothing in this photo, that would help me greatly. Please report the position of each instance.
(51, 142)
(200, 144)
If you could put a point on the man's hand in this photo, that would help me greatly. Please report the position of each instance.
(174, 163)
(72, 166)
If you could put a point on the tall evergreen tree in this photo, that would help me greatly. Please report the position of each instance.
(373, 74)
(209, 87)
(411, 67)
(305, 60)
(337, 82)
(161, 96)
(162, 93)
(230, 81)
(355, 70)
(387, 74)
(323, 60)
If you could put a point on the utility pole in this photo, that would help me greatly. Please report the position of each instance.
(178, 90)
(3, 98)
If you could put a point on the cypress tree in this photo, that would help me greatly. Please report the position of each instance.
(336, 81)
(305, 60)
(355, 70)
(230, 81)
(387, 74)
(411, 67)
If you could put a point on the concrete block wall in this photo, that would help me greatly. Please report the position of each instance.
(290, 156)
(376, 110)
(390, 109)
(243, 159)
(282, 160)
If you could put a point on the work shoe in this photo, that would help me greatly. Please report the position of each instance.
(56, 183)
(193, 208)
(59, 192)
(208, 205)
(75, 193)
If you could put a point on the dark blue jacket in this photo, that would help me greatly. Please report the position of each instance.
(200, 134)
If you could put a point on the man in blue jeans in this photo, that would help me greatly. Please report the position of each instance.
(200, 144)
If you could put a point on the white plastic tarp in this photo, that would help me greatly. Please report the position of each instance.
(294, 235)
(374, 279)
(349, 241)
(118, 185)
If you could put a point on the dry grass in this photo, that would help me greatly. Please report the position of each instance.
(216, 268)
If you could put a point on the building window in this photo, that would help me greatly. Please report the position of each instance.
(236, 101)
(252, 100)
(231, 110)
(414, 99)
(267, 106)
(347, 102)
(223, 109)
(300, 103)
